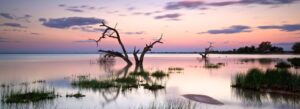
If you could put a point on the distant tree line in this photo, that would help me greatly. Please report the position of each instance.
(263, 48)
(296, 47)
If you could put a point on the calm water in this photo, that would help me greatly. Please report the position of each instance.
(59, 69)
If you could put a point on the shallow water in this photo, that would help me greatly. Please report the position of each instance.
(59, 69)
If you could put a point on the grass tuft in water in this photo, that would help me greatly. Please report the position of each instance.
(171, 104)
(76, 95)
(153, 87)
(175, 68)
(39, 81)
(126, 80)
(159, 74)
(212, 65)
(26, 97)
(283, 65)
(272, 80)
(127, 83)
(295, 62)
(142, 74)
(93, 84)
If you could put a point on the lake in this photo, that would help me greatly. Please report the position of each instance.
(58, 71)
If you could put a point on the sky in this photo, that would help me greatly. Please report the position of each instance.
(66, 26)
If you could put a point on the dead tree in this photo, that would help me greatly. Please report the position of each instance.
(206, 51)
(147, 48)
(113, 33)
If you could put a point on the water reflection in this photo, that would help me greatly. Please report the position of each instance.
(261, 61)
(255, 98)
(186, 75)
(37, 87)
(122, 81)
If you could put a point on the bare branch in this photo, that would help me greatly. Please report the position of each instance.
(148, 47)
(113, 33)
(206, 51)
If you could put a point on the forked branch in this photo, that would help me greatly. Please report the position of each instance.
(113, 33)
(206, 51)
(147, 48)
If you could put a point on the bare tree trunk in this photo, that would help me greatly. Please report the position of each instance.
(124, 56)
(113, 33)
(206, 51)
(139, 60)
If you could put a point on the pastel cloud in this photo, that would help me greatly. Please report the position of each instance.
(200, 4)
(168, 16)
(231, 30)
(74, 10)
(68, 22)
(14, 25)
(286, 27)
(6, 15)
(25, 17)
(81, 8)
(184, 4)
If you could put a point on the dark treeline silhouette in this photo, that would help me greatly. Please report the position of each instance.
(263, 48)
(296, 47)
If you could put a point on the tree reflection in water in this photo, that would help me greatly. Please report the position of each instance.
(122, 81)
(250, 97)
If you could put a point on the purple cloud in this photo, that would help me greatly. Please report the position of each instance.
(81, 8)
(74, 10)
(7, 15)
(68, 22)
(14, 17)
(200, 4)
(286, 27)
(130, 8)
(15, 25)
(168, 16)
(184, 4)
(231, 30)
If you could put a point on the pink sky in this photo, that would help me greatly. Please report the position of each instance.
(64, 26)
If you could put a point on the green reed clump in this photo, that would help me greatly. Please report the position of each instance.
(210, 65)
(93, 84)
(175, 68)
(153, 87)
(283, 65)
(273, 79)
(295, 62)
(159, 74)
(76, 95)
(126, 80)
(174, 104)
(132, 81)
(142, 74)
(29, 96)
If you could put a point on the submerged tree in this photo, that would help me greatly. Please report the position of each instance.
(206, 51)
(139, 60)
(113, 33)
